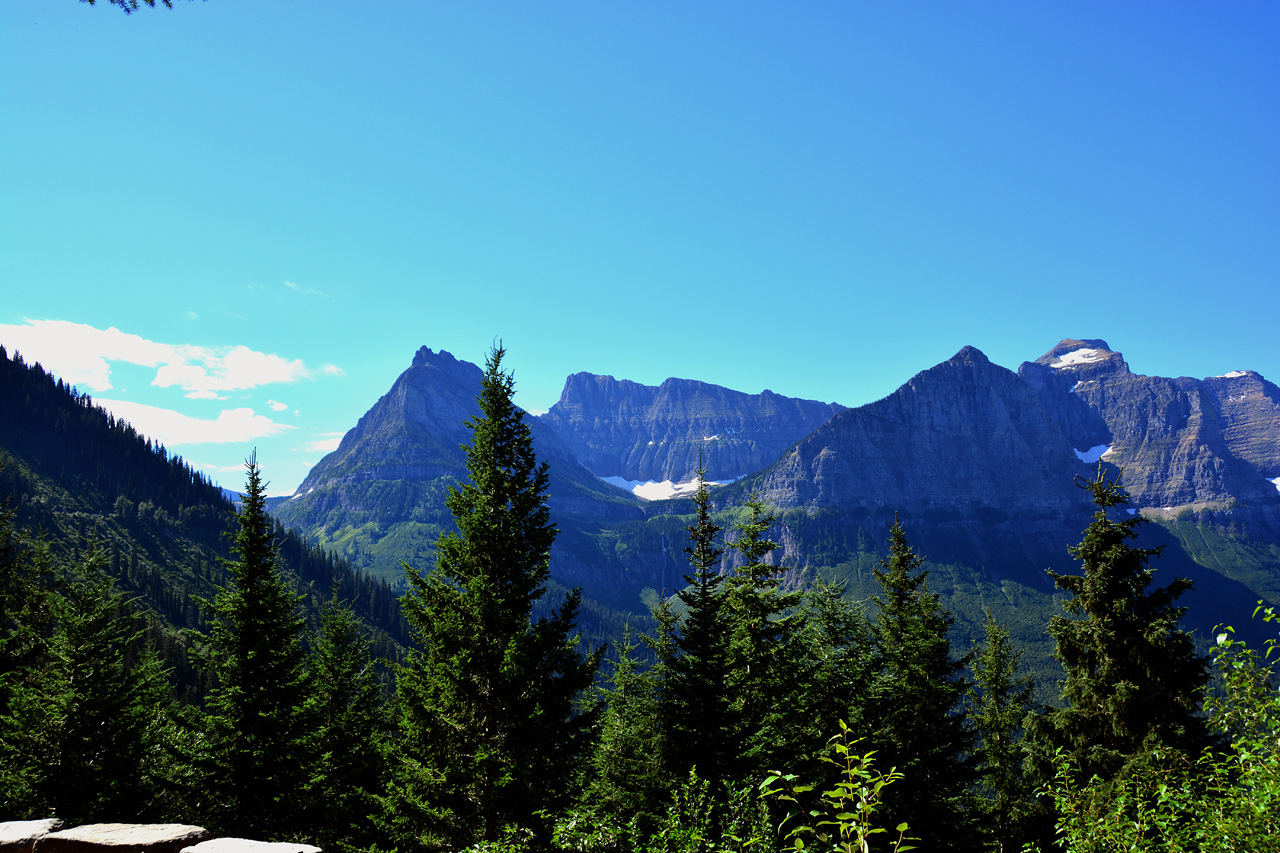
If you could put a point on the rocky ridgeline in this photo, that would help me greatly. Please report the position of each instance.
(48, 836)
(962, 434)
(414, 435)
(1211, 443)
(656, 433)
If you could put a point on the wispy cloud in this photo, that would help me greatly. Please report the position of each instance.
(82, 354)
(326, 443)
(277, 406)
(305, 291)
(173, 429)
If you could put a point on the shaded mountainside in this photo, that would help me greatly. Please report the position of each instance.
(379, 499)
(655, 433)
(1181, 442)
(979, 462)
(82, 480)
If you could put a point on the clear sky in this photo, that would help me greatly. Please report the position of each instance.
(274, 204)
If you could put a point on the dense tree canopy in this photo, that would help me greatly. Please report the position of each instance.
(489, 737)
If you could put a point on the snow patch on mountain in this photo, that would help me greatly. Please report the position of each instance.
(1234, 374)
(1075, 358)
(651, 490)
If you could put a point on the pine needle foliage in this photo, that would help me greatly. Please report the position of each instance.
(257, 760)
(921, 731)
(1132, 675)
(702, 727)
(489, 737)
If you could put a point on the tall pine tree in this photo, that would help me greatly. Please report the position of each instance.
(257, 760)
(1132, 675)
(489, 737)
(701, 726)
(920, 729)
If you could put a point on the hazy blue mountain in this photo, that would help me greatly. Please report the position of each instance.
(620, 428)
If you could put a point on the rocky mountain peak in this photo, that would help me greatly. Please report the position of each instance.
(657, 433)
(1090, 355)
(970, 354)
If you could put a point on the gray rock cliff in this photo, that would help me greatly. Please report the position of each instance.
(646, 432)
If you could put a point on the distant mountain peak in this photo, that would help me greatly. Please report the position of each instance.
(970, 354)
(425, 356)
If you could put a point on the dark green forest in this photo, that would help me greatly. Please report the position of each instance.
(167, 656)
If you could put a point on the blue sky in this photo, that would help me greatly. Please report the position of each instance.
(274, 204)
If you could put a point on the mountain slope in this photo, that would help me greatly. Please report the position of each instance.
(655, 433)
(81, 479)
(379, 499)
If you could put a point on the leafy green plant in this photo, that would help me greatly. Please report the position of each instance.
(1227, 799)
(843, 819)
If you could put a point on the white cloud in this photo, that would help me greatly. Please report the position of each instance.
(277, 406)
(172, 428)
(327, 443)
(81, 354)
(305, 291)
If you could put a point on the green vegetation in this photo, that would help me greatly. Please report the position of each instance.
(707, 732)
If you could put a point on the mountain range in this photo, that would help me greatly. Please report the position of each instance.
(979, 461)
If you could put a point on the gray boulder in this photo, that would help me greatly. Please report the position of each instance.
(122, 838)
(19, 836)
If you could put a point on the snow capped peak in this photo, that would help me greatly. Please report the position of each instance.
(1077, 357)
(1235, 374)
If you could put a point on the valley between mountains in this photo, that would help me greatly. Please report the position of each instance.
(979, 462)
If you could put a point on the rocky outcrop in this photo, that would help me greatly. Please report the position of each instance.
(20, 836)
(245, 845)
(966, 433)
(655, 433)
(122, 838)
(414, 434)
(1180, 441)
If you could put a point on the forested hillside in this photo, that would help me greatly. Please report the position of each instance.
(80, 480)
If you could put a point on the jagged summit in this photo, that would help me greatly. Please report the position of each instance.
(657, 433)
(425, 356)
(970, 354)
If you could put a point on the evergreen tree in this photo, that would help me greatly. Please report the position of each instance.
(999, 704)
(701, 727)
(628, 780)
(920, 730)
(346, 705)
(1132, 675)
(489, 737)
(768, 667)
(257, 762)
(78, 724)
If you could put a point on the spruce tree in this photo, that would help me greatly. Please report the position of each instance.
(489, 735)
(920, 729)
(1000, 701)
(701, 726)
(1132, 675)
(350, 730)
(768, 667)
(628, 781)
(79, 727)
(257, 761)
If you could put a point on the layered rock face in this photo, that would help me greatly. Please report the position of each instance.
(963, 434)
(1180, 442)
(645, 432)
(414, 434)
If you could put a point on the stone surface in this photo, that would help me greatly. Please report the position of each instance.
(122, 838)
(1212, 443)
(620, 428)
(19, 836)
(244, 845)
